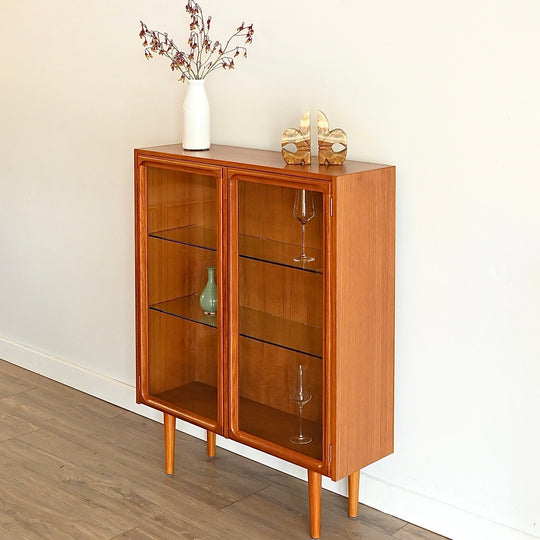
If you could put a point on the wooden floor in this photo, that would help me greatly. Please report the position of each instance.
(72, 466)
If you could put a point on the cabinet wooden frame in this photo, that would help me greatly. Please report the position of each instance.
(357, 327)
(234, 176)
(142, 302)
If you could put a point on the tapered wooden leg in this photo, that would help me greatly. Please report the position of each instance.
(314, 484)
(211, 443)
(354, 484)
(170, 427)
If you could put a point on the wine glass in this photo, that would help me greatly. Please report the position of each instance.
(303, 211)
(301, 395)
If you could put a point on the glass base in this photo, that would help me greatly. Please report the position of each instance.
(301, 439)
(303, 259)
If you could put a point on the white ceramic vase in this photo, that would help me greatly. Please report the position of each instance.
(196, 111)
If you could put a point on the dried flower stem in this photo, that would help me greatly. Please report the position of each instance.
(204, 55)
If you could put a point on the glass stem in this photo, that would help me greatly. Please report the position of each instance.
(300, 434)
(303, 238)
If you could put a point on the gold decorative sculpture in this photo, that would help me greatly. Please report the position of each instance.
(327, 139)
(301, 139)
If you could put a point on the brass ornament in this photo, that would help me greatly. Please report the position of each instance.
(327, 139)
(301, 139)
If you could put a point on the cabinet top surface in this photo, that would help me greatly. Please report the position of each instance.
(252, 159)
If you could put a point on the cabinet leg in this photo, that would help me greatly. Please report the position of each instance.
(314, 484)
(169, 425)
(354, 484)
(211, 444)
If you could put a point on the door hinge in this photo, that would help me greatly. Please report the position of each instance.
(331, 206)
(330, 454)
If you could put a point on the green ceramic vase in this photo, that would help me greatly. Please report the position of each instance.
(208, 297)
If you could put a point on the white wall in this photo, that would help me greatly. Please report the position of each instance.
(446, 91)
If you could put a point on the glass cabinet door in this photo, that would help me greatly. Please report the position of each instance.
(183, 260)
(277, 319)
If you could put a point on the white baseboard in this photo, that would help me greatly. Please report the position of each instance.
(434, 515)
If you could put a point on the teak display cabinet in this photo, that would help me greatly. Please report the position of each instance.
(297, 351)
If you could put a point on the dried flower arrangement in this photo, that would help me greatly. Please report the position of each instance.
(204, 55)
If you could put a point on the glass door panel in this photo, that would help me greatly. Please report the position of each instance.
(280, 317)
(183, 347)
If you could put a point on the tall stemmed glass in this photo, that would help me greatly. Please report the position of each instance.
(303, 211)
(300, 394)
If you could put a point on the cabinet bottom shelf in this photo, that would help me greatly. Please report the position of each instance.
(195, 397)
(278, 427)
(262, 421)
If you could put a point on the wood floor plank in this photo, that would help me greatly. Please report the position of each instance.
(81, 400)
(412, 532)
(55, 389)
(171, 527)
(279, 504)
(379, 520)
(125, 492)
(45, 510)
(138, 533)
(9, 529)
(10, 385)
(332, 501)
(34, 379)
(209, 480)
(83, 472)
(11, 426)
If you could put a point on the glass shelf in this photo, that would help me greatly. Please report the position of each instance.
(292, 335)
(282, 253)
(249, 247)
(186, 307)
(191, 235)
(257, 325)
